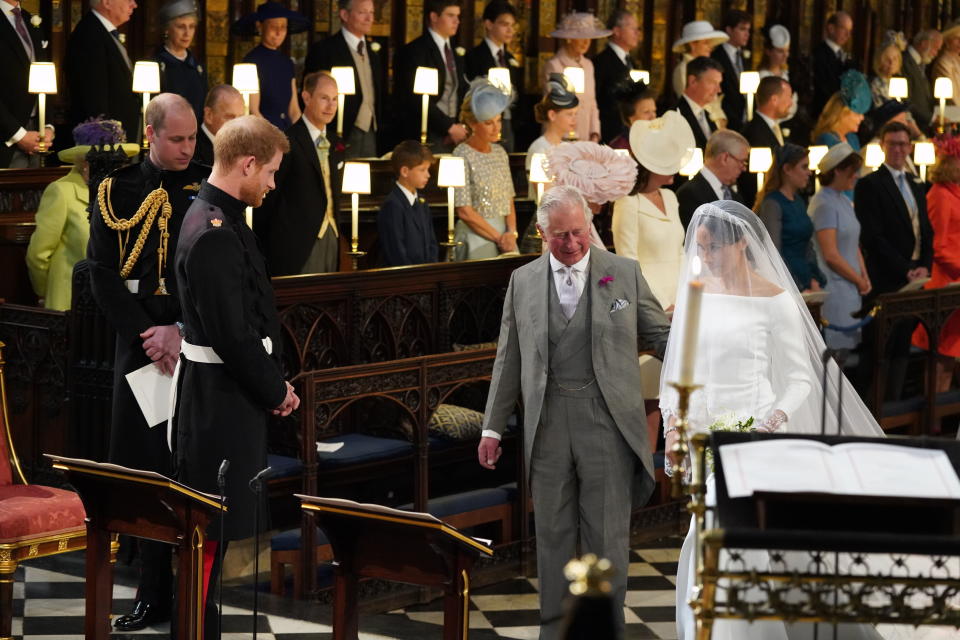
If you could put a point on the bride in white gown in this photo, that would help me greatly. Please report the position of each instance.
(759, 355)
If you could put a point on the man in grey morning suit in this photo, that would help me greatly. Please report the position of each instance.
(568, 344)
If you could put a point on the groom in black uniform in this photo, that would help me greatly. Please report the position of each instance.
(230, 378)
(134, 286)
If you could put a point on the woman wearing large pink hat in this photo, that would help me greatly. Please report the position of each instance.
(575, 32)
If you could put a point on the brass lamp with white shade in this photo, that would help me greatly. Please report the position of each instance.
(346, 86)
(815, 154)
(693, 165)
(898, 89)
(943, 91)
(638, 75)
(538, 173)
(924, 155)
(500, 78)
(41, 81)
(356, 180)
(874, 156)
(451, 174)
(246, 81)
(749, 82)
(146, 80)
(426, 83)
(761, 159)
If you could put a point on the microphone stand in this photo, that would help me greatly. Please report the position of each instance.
(222, 486)
(256, 485)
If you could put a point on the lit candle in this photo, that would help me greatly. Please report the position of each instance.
(423, 119)
(691, 324)
(354, 220)
(340, 100)
(450, 218)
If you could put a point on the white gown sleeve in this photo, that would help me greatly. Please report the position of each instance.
(790, 368)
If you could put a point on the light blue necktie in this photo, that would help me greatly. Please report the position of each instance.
(907, 192)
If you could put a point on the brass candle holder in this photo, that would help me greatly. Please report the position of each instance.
(451, 246)
(681, 448)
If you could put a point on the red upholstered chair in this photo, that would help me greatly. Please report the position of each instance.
(35, 520)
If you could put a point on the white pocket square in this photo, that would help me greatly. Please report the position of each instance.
(619, 305)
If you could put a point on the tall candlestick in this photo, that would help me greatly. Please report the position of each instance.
(146, 101)
(749, 106)
(246, 103)
(354, 221)
(423, 120)
(42, 108)
(943, 108)
(450, 218)
(539, 192)
(691, 324)
(340, 100)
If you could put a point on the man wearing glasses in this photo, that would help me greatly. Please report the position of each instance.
(725, 158)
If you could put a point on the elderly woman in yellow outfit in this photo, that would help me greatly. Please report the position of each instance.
(63, 225)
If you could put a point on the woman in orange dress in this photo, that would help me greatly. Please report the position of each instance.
(943, 209)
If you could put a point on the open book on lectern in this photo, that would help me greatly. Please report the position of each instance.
(787, 465)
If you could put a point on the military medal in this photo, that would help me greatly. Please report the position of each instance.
(162, 289)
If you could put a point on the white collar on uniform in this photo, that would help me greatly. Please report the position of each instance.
(411, 195)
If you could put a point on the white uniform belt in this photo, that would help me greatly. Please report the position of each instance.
(203, 355)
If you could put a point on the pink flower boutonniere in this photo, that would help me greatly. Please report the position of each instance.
(605, 280)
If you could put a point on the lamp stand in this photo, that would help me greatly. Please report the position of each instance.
(423, 119)
(146, 101)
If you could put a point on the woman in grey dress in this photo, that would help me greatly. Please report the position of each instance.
(838, 243)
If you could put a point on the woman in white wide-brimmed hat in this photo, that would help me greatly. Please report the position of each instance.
(647, 227)
(698, 39)
(576, 30)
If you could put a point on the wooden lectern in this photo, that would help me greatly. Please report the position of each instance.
(370, 541)
(147, 505)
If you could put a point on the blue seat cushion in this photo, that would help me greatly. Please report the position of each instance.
(290, 540)
(466, 501)
(899, 407)
(358, 448)
(283, 466)
(948, 397)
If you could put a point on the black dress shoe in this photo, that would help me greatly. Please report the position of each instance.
(143, 615)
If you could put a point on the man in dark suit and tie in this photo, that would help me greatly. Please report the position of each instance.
(703, 84)
(921, 52)
(434, 49)
(404, 222)
(499, 23)
(98, 70)
(730, 56)
(725, 158)
(612, 66)
(774, 98)
(349, 48)
(223, 103)
(20, 44)
(897, 241)
(297, 223)
(830, 60)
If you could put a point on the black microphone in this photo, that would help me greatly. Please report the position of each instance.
(257, 479)
(222, 473)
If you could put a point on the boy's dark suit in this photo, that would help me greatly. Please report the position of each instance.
(406, 231)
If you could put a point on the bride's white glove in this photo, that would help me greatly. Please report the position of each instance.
(773, 421)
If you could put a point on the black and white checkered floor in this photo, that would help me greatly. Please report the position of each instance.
(48, 605)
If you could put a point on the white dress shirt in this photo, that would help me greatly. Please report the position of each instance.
(109, 26)
(352, 40)
(203, 128)
(910, 201)
(559, 271)
(441, 43)
(8, 11)
(734, 54)
(700, 115)
(619, 51)
(773, 126)
(837, 49)
(411, 195)
(713, 181)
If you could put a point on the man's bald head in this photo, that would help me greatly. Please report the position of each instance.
(319, 98)
(162, 106)
(223, 103)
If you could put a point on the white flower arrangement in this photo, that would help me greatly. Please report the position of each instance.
(374, 46)
(35, 20)
(746, 54)
(513, 62)
(123, 38)
(728, 422)
(461, 51)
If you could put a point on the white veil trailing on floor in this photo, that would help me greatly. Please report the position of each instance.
(759, 351)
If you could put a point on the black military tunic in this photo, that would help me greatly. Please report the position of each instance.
(228, 305)
(132, 305)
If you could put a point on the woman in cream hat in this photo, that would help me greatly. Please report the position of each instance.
(63, 225)
(948, 62)
(776, 52)
(647, 227)
(487, 224)
(697, 39)
(576, 30)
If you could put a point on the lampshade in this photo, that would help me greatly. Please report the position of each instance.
(761, 159)
(637, 75)
(574, 76)
(146, 77)
(452, 172)
(943, 88)
(245, 78)
(346, 83)
(426, 81)
(694, 165)
(898, 88)
(43, 78)
(356, 177)
(749, 81)
(538, 168)
(875, 156)
(817, 152)
(500, 77)
(924, 154)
